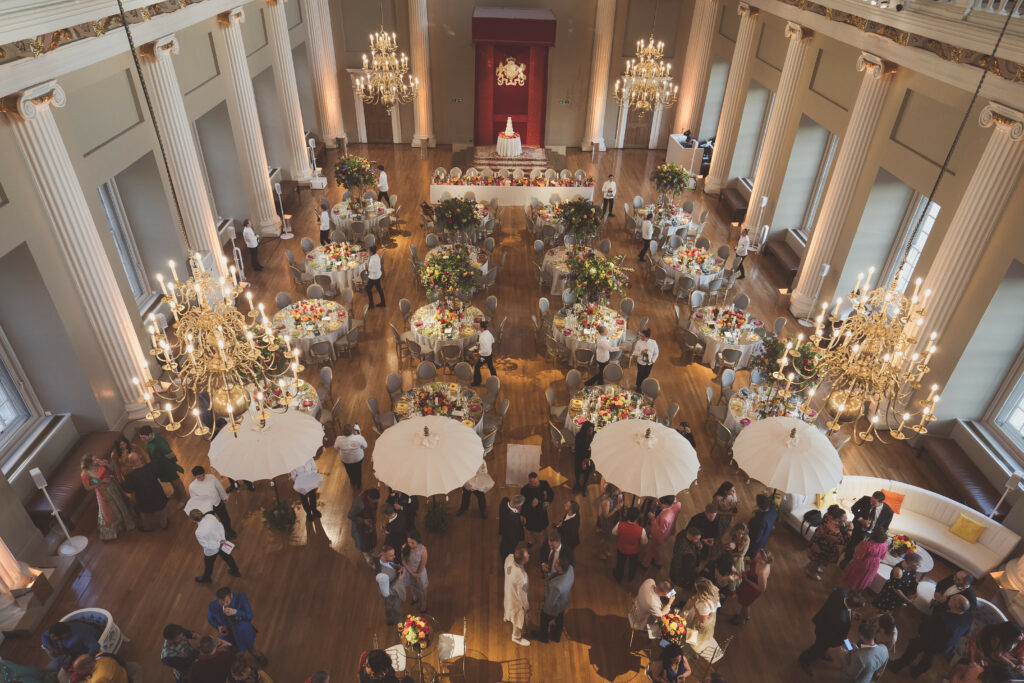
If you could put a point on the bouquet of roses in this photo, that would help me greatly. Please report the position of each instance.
(433, 403)
(338, 252)
(698, 256)
(415, 632)
(900, 545)
(673, 628)
(308, 312)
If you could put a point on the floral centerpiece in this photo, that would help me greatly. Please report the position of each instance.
(505, 136)
(671, 179)
(726, 318)
(673, 628)
(336, 253)
(415, 632)
(355, 173)
(580, 217)
(433, 403)
(446, 273)
(456, 214)
(594, 277)
(614, 407)
(309, 311)
(900, 545)
(525, 181)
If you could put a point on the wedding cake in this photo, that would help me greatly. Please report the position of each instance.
(508, 127)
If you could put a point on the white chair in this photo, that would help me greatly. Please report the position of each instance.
(451, 649)
(397, 654)
(110, 639)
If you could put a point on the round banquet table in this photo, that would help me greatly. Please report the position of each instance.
(746, 406)
(547, 215)
(606, 404)
(430, 331)
(343, 214)
(304, 400)
(555, 264)
(681, 261)
(343, 262)
(668, 218)
(747, 339)
(576, 325)
(476, 255)
(508, 147)
(481, 212)
(312, 320)
(446, 399)
(927, 561)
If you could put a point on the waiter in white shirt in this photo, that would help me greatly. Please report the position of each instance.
(645, 351)
(601, 354)
(608, 191)
(742, 248)
(351, 447)
(485, 347)
(325, 222)
(252, 243)
(382, 186)
(646, 235)
(210, 534)
(207, 493)
(374, 272)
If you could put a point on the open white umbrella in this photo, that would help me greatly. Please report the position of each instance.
(287, 441)
(788, 454)
(426, 456)
(645, 458)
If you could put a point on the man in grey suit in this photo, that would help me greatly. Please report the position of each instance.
(556, 600)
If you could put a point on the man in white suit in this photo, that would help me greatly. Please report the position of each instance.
(517, 592)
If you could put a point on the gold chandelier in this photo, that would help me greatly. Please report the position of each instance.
(385, 78)
(867, 363)
(647, 83)
(219, 363)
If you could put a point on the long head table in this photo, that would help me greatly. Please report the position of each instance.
(510, 196)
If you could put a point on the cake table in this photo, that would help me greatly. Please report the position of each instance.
(509, 144)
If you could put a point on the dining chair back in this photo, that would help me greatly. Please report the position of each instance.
(314, 291)
(650, 388)
(426, 371)
(613, 373)
(741, 302)
(283, 300)
(464, 372)
(573, 381)
(780, 323)
(307, 245)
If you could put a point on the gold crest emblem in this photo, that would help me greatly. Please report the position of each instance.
(510, 73)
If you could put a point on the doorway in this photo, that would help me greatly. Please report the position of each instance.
(378, 123)
(638, 130)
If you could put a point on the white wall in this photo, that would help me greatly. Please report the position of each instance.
(713, 102)
(801, 173)
(750, 131)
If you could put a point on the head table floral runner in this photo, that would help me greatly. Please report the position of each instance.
(497, 181)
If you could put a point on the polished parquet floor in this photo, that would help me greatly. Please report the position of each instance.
(316, 604)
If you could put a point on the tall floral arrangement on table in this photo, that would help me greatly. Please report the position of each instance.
(355, 173)
(580, 217)
(415, 632)
(447, 273)
(673, 628)
(593, 277)
(671, 179)
(455, 214)
(803, 365)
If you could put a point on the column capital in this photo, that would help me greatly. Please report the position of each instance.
(162, 48)
(26, 104)
(231, 17)
(745, 10)
(276, 2)
(1004, 119)
(877, 66)
(795, 30)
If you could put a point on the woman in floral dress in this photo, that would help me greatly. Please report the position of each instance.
(901, 588)
(114, 514)
(828, 541)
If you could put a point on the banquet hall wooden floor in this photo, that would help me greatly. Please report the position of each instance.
(316, 605)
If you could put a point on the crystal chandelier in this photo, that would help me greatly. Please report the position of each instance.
(219, 363)
(647, 83)
(385, 78)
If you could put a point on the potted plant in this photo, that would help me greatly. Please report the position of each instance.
(279, 515)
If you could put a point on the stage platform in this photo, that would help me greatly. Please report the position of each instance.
(486, 157)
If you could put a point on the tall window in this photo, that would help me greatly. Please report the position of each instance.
(14, 411)
(124, 241)
(818, 191)
(1010, 418)
(926, 212)
(760, 134)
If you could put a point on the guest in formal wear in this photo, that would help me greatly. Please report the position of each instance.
(602, 354)
(252, 244)
(957, 583)
(389, 581)
(377, 666)
(671, 666)
(325, 222)
(646, 235)
(722, 572)
(207, 493)
(938, 634)
(608, 190)
(648, 605)
(551, 551)
(663, 525)
(414, 564)
(701, 615)
(734, 547)
(510, 525)
(556, 600)
(66, 641)
(629, 537)
(583, 466)
(537, 496)
(143, 481)
(160, 452)
(645, 353)
(244, 670)
(742, 249)
(726, 505)
(396, 528)
(517, 592)
(363, 516)
(868, 512)
(869, 555)
(865, 662)
(374, 273)
(995, 643)
(179, 651)
(569, 527)
(382, 185)
(828, 541)
(103, 667)
(351, 446)
(707, 523)
(686, 431)
(485, 353)
(407, 505)
(214, 663)
(831, 626)
(901, 587)
(761, 523)
(609, 509)
(478, 486)
(688, 555)
(210, 534)
(231, 615)
(113, 516)
(754, 584)
(306, 481)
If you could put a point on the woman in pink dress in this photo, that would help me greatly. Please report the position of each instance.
(864, 567)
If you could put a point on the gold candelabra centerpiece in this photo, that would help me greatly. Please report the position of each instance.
(386, 80)
(217, 362)
(647, 81)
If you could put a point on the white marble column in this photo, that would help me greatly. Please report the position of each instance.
(419, 47)
(735, 98)
(693, 80)
(843, 180)
(287, 91)
(604, 32)
(778, 136)
(179, 143)
(77, 236)
(324, 68)
(994, 178)
(245, 127)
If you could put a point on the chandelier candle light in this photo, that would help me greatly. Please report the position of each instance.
(647, 83)
(386, 80)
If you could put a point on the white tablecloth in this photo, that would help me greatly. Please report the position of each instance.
(342, 277)
(587, 338)
(342, 217)
(587, 408)
(431, 338)
(713, 343)
(671, 259)
(510, 196)
(554, 264)
(304, 335)
(509, 147)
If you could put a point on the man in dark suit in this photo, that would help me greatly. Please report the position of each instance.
(556, 599)
(537, 496)
(395, 526)
(552, 551)
(831, 626)
(937, 635)
(868, 512)
(959, 583)
(761, 524)
(569, 527)
(510, 525)
(688, 555)
(708, 523)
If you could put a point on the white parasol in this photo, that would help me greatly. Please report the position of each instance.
(788, 454)
(287, 441)
(426, 456)
(645, 458)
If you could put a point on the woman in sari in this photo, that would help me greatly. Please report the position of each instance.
(114, 514)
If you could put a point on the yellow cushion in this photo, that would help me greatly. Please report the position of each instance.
(823, 500)
(894, 500)
(967, 529)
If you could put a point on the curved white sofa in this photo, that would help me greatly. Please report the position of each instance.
(926, 517)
